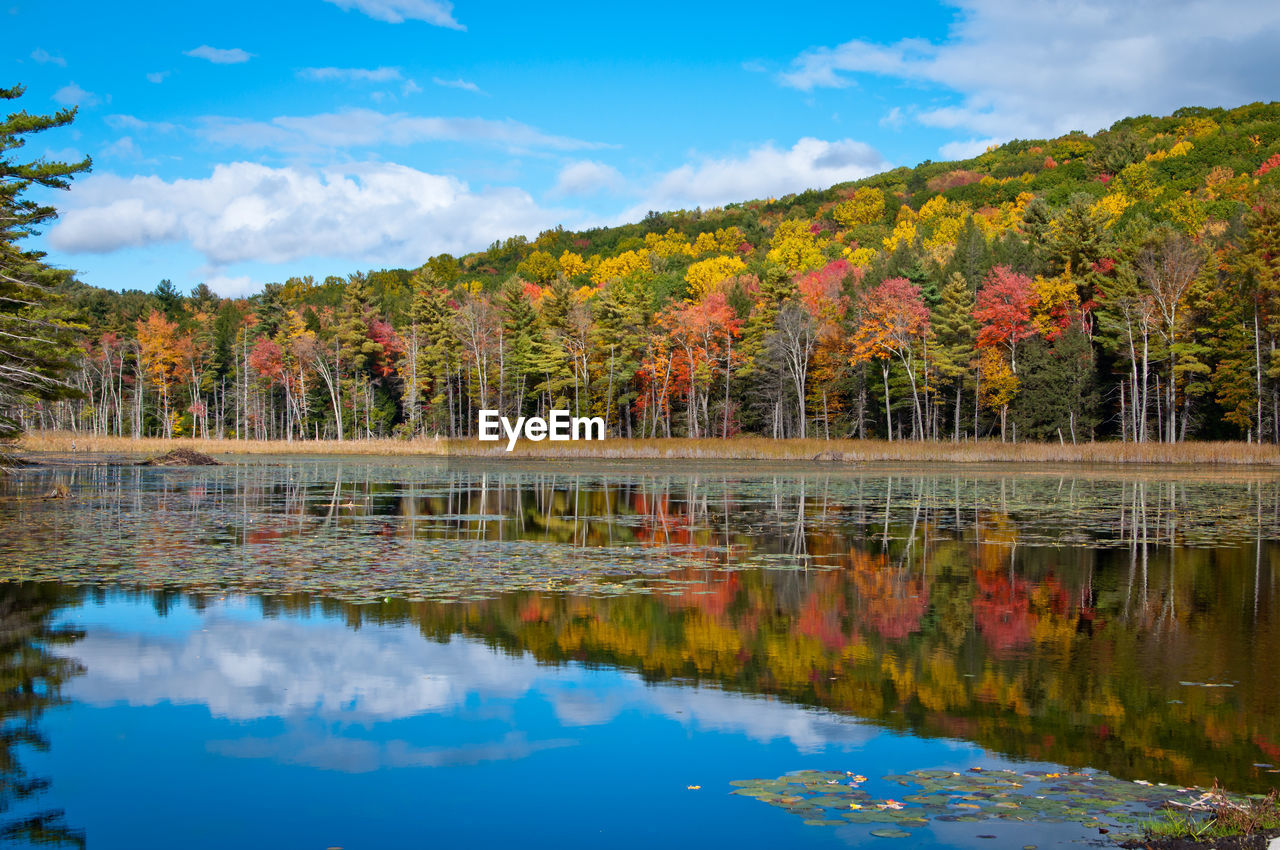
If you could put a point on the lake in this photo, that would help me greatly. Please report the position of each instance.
(343, 652)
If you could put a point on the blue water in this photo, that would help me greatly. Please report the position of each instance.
(221, 728)
(332, 654)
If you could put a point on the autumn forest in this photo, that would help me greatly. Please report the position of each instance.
(1119, 286)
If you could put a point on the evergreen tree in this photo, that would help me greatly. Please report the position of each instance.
(954, 331)
(170, 300)
(358, 349)
(1056, 395)
(520, 331)
(621, 331)
(435, 358)
(36, 337)
(1079, 240)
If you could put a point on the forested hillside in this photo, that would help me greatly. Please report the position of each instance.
(1124, 285)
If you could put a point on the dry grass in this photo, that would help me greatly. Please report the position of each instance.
(742, 448)
(63, 441)
(879, 451)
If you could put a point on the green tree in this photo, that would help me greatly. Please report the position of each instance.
(519, 327)
(433, 353)
(358, 349)
(37, 342)
(955, 331)
(1056, 398)
(170, 300)
(621, 331)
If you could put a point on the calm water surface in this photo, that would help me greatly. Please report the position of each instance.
(338, 653)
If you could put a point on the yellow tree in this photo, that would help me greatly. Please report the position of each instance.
(999, 383)
(705, 274)
(620, 266)
(161, 356)
(572, 265)
(795, 247)
(865, 206)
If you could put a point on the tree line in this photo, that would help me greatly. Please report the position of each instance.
(1122, 286)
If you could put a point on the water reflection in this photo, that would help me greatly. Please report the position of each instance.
(1120, 622)
(1028, 657)
(314, 668)
(32, 679)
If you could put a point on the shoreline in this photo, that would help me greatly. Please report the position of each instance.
(833, 453)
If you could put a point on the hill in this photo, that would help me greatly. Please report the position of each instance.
(1120, 285)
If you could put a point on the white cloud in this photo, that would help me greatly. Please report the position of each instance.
(248, 670)
(587, 177)
(967, 149)
(136, 125)
(375, 212)
(63, 155)
(763, 172)
(122, 148)
(1045, 67)
(367, 127)
(457, 84)
(893, 118)
(233, 286)
(329, 751)
(44, 57)
(410, 87)
(437, 12)
(157, 76)
(72, 95)
(220, 56)
(764, 720)
(362, 75)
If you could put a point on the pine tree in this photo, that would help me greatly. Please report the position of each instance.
(358, 349)
(621, 329)
(519, 328)
(433, 352)
(1056, 398)
(954, 333)
(36, 337)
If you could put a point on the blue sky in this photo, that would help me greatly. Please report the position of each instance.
(237, 143)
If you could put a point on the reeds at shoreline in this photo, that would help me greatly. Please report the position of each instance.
(740, 448)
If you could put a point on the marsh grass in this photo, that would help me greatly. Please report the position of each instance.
(1218, 816)
(64, 442)
(739, 448)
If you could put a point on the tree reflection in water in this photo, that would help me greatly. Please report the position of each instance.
(31, 680)
(1115, 621)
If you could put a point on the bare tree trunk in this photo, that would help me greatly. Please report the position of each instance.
(1257, 354)
(888, 417)
(728, 370)
(955, 432)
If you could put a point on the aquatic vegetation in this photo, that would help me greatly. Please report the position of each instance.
(1091, 799)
